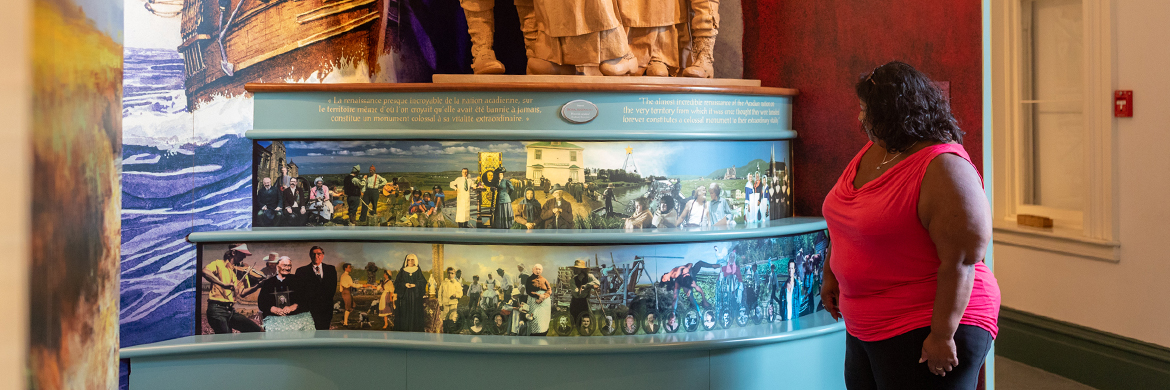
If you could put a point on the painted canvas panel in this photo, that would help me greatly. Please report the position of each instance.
(73, 308)
(508, 290)
(510, 184)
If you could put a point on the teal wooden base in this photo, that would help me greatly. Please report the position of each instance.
(766, 356)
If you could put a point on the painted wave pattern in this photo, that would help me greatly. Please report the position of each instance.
(174, 181)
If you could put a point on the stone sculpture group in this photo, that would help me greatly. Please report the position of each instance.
(603, 37)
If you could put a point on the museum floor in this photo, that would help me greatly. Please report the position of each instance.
(1013, 375)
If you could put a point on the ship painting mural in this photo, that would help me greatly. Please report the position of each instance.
(186, 166)
(227, 43)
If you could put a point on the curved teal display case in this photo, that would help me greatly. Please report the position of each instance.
(617, 236)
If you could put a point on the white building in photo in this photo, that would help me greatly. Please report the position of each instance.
(556, 161)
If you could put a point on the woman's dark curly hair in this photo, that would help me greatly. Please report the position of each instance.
(903, 106)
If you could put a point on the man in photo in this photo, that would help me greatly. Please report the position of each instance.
(557, 212)
(371, 192)
(295, 202)
(722, 214)
(462, 186)
(268, 202)
(449, 292)
(285, 178)
(608, 196)
(353, 193)
(282, 301)
(505, 285)
(651, 326)
(269, 269)
(474, 292)
(225, 288)
(583, 284)
(320, 283)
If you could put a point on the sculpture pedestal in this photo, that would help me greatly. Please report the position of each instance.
(535, 79)
(801, 354)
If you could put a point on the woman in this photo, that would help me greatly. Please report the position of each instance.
(641, 217)
(436, 214)
(410, 285)
(386, 301)
(696, 213)
(347, 286)
(539, 291)
(477, 327)
(527, 212)
(911, 223)
(319, 200)
(503, 210)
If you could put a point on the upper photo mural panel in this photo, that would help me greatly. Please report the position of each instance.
(521, 184)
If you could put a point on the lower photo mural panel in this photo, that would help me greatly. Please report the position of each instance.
(553, 290)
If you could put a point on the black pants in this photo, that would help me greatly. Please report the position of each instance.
(223, 318)
(370, 202)
(354, 203)
(893, 363)
(578, 306)
(322, 315)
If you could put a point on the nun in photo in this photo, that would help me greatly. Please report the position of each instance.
(410, 286)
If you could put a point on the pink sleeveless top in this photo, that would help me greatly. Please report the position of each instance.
(884, 259)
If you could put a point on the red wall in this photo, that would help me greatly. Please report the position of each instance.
(820, 47)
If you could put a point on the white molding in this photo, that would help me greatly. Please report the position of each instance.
(1095, 233)
(1099, 122)
(1062, 242)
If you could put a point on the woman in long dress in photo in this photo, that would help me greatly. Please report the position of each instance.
(539, 299)
(410, 285)
(386, 301)
(503, 210)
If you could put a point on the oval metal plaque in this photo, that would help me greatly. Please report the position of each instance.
(579, 111)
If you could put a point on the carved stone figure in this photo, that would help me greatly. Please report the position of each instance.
(704, 27)
(613, 38)
(576, 33)
(653, 27)
(481, 26)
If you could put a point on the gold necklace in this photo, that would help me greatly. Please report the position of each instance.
(891, 159)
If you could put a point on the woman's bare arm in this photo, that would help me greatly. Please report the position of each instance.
(954, 210)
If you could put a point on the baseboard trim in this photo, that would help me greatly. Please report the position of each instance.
(1100, 359)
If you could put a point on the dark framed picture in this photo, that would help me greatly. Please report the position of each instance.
(771, 311)
(691, 321)
(742, 317)
(609, 324)
(758, 314)
(586, 324)
(500, 324)
(709, 320)
(562, 323)
(630, 324)
(725, 319)
(651, 323)
(673, 322)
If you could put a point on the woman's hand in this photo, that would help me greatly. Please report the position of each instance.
(939, 353)
(830, 295)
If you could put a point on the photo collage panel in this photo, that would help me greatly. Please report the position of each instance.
(521, 185)
(508, 289)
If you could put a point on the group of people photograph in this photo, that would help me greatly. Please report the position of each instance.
(505, 290)
(560, 185)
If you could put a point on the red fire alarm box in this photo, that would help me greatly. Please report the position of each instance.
(1123, 104)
